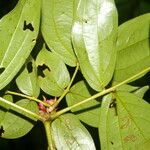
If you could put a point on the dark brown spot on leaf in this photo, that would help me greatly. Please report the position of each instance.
(111, 142)
(113, 104)
(33, 40)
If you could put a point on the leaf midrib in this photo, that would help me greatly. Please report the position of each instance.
(98, 79)
(132, 44)
(69, 131)
(132, 64)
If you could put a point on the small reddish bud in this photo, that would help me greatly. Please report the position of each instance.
(42, 107)
(50, 101)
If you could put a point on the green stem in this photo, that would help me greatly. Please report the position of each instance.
(47, 126)
(19, 109)
(28, 97)
(99, 94)
(68, 88)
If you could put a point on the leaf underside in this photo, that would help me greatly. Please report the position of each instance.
(19, 30)
(16, 125)
(133, 48)
(79, 92)
(94, 35)
(57, 18)
(27, 80)
(55, 76)
(69, 133)
(125, 124)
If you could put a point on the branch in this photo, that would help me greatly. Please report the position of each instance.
(106, 91)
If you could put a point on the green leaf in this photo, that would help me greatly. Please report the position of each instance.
(124, 123)
(18, 32)
(69, 133)
(94, 36)
(139, 91)
(57, 18)
(15, 124)
(108, 126)
(126, 87)
(3, 107)
(79, 92)
(55, 76)
(27, 80)
(144, 146)
(133, 48)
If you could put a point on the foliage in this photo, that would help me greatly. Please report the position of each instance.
(70, 66)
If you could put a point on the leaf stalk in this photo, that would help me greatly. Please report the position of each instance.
(47, 126)
(20, 109)
(28, 97)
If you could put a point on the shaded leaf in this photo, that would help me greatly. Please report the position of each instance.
(57, 18)
(133, 48)
(69, 133)
(94, 36)
(79, 92)
(15, 124)
(27, 80)
(125, 126)
(55, 76)
(18, 32)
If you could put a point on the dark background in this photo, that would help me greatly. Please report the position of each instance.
(35, 140)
